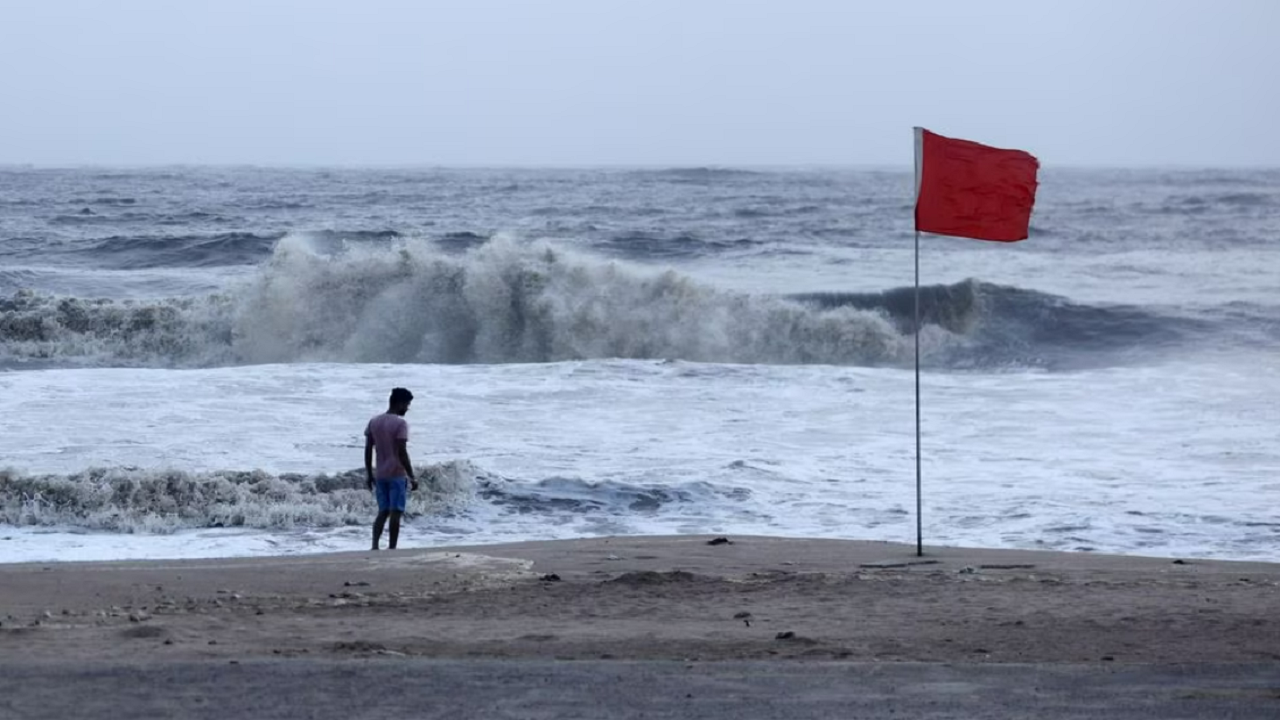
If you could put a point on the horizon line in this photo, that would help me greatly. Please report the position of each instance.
(756, 167)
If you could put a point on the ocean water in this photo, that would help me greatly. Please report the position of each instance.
(188, 357)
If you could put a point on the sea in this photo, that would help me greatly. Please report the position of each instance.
(189, 355)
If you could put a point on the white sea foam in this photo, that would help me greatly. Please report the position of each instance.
(589, 448)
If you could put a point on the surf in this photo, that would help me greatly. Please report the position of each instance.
(321, 299)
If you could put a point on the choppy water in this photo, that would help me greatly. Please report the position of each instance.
(189, 355)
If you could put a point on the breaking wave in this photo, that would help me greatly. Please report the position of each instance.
(132, 500)
(504, 302)
(129, 500)
(499, 303)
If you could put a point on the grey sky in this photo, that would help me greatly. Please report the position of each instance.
(667, 82)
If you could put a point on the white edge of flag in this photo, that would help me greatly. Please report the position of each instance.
(919, 136)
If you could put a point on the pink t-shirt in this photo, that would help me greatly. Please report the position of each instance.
(385, 430)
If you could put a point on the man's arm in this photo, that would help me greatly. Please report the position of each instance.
(402, 451)
(368, 461)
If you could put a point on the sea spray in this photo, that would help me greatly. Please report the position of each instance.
(122, 499)
(409, 301)
(132, 500)
(502, 302)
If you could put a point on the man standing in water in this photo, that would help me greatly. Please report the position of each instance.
(388, 433)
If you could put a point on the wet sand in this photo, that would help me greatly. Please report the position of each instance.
(649, 598)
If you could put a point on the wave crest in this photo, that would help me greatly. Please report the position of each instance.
(320, 300)
(498, 303)
(131, 500)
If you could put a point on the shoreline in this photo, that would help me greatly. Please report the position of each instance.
(858, 549)
(215, 546)
(650, 598)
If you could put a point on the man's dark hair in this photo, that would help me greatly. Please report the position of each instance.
(400, 395)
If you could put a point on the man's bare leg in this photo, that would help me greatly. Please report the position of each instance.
(378, 523)
(395, 528)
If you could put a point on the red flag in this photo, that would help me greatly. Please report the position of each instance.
(971, 190)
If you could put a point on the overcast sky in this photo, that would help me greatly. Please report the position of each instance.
(636, 82)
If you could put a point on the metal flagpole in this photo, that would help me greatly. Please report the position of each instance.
(918, 132)
(919, 503)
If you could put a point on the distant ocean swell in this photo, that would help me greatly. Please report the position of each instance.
(129, 500)
(505, 302)
(188, 250)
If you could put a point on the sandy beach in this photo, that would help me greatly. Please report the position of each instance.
(653, 627)
(651, 598)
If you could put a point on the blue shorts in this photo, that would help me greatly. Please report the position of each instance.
(392, 493)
